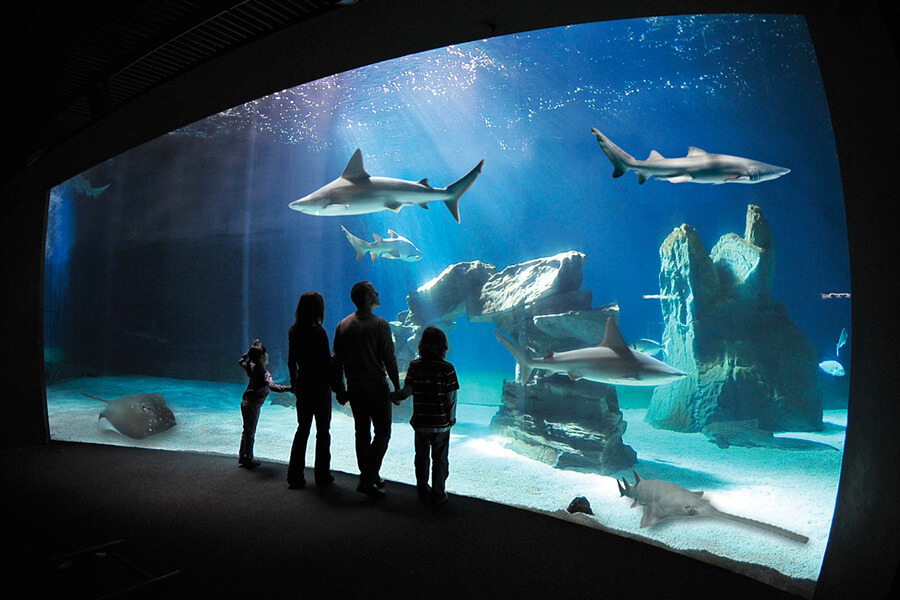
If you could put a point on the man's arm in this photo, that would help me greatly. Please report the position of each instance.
(388, 357)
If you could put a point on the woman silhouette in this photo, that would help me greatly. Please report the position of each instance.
(309, 364)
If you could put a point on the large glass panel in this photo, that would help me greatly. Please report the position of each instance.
(726, 271)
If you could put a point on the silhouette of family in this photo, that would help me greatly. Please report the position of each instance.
(357, 370)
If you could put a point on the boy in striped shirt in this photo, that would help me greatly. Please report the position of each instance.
(433, 384)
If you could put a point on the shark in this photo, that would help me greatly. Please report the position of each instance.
(698, 166)
(664, 500)
(748, 434)
(356, 192)
(394, 246)
(612, 361)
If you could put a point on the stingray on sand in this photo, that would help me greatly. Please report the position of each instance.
(137, 415)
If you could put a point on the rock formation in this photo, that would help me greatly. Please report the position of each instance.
(745, 357)
(539, 304)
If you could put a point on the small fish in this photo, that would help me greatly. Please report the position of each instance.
(832, 367)
(842, 341)
(650, 347)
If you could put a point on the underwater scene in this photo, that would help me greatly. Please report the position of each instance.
(632, 233)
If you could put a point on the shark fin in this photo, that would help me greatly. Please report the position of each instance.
(654, 155)
(354, 170)
(394, 206)
(641, 177)
(721, 441)
(355, 242)
(378, 239)
(680, 179)
(635, 503)
(393, 233)
(424, 205)
(459, 187)
(373, 255)
(614, 341)
(573, 376)
(698, 494)
(424, 182)
(622, 161)
(548, 355)
(694, 151)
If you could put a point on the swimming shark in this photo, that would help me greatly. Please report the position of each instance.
(663, 500)
(611, 362)
(698, 166)
(395, 246)
(356, 192)
(748, 434)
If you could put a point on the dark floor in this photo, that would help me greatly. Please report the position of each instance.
(232, 533)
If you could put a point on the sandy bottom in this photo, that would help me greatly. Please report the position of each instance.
(794, 490)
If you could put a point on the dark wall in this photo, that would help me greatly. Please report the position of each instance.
(862, 82)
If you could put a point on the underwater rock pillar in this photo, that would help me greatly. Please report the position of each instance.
(745, 358)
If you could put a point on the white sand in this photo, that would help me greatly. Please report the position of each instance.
(790, 489)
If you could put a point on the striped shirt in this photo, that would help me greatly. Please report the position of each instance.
(433, 385)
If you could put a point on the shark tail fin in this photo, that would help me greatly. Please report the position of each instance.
(358, 244)
(459, 187)
(622, 161)
(526, 366)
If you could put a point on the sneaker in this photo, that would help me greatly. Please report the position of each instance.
(249, 464)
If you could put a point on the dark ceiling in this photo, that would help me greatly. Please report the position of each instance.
(73, 62)
(67, 64)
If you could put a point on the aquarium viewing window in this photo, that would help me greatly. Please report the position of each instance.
(634, 239)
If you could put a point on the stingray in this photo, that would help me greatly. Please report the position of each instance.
(137, 415)
(748, 434)
(664, 500)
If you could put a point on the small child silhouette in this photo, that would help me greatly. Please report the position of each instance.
(254, 362)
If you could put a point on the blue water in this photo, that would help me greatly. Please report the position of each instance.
(192, 251)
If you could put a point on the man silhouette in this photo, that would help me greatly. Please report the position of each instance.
(364, 354)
